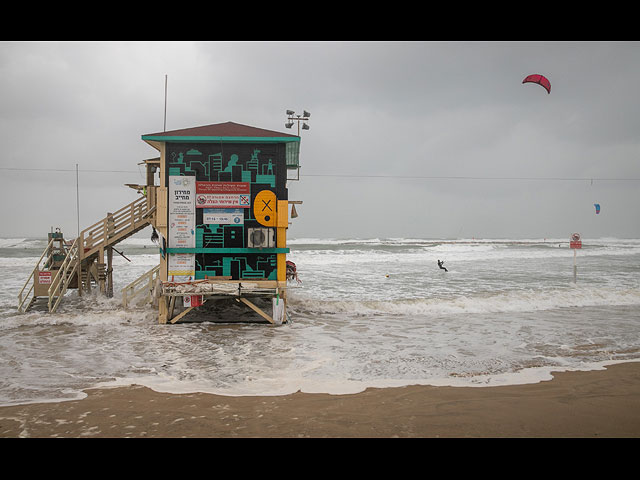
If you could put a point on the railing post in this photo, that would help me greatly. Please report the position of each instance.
(21, 298)
(124, 297)
(105, 226)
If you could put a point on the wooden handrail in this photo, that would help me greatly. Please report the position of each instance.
(114, 227)
(144, 281)
(110, 230)
(60, 282)
(22, 300)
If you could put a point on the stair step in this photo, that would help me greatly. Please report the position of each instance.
(111, 230)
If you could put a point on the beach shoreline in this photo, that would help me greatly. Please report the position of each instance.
(596, 403)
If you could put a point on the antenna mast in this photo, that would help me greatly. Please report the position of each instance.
(165, 103)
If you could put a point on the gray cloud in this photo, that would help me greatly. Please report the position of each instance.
(416, 109)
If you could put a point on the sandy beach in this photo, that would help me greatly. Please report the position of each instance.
(603, 403)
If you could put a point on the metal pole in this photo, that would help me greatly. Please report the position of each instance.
(77, 200)
(165, 103)
(575, 268)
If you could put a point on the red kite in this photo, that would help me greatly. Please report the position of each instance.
(540, 80)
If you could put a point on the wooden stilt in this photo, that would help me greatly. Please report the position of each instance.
(103, 287)
(255, 309)
(79, 274)
(163, 312)
(172, 304)
(182, 314)
(89, 269)
(109, 272)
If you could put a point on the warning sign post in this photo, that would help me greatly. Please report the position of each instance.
(575, 242)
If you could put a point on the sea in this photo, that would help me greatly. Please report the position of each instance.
(374, 312)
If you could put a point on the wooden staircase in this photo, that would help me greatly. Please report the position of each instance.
(83, 264)
(140, 290)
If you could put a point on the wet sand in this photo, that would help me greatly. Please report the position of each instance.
(603, 403)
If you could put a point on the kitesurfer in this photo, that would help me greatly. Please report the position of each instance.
(440, 262)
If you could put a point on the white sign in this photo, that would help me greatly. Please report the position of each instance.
(182, 211)
(181, 231)
(181, 194)
(278, 310)
(223, 216)
(192, 301)
(44, 278)
(182, 267)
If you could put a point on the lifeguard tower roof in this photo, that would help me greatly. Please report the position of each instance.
(221, 132)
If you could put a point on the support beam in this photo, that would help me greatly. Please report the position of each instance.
(182, 314)
(79, 276)
(255, 309)
(163, 311)
(281, 239)
(172, 304)
(109, 272)
(101, 282)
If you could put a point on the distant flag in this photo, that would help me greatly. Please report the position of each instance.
(597, 205)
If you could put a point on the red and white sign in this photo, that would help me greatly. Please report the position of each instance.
(192, 301)
(44, 278)
(575, 241)
(223, 194)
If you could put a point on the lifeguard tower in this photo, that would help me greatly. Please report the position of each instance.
(220, 212)
(222, 216)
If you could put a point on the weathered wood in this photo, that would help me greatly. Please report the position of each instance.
(144, 283)
(22, 297)
(110, 271)
(60, 283)
(255, 309)
(182, 314)
(115, 227)
(163, 311)
(172, 304)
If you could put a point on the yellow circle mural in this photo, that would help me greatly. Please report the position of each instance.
(264, 208)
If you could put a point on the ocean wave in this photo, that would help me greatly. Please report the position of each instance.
(512, 301)
(473, 240)
(23, 243)
(357, 253)
(145, 242)
(27, 242)
(333, 241)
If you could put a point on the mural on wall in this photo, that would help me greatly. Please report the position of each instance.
(236, 187)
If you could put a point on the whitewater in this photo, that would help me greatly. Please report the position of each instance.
(368, 313)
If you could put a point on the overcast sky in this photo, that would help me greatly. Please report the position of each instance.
(406, 139)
